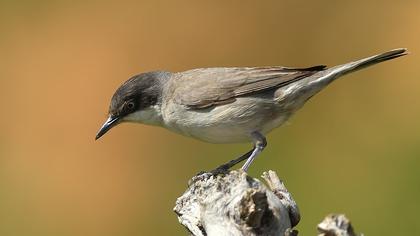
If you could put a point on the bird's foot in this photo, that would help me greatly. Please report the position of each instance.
(221, 170)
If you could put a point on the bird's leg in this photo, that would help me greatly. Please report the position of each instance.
(259, 144)
(231, 163)
(259, 141)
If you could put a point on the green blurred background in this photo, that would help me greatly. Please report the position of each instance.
(354, 148)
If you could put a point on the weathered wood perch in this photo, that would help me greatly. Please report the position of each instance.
(233, 203)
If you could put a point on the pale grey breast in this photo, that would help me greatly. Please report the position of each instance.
(223, 105)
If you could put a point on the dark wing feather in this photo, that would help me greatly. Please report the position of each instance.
(202, 88)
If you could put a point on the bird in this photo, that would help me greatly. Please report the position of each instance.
(225, 104)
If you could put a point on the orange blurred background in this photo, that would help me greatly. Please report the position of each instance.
(354, 148)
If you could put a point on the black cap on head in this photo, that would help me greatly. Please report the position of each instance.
(138, 92)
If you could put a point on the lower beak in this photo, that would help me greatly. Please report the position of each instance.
(109, 123)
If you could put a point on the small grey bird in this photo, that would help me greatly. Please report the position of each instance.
(225, 105)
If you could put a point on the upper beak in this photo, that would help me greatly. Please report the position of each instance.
(109, 123)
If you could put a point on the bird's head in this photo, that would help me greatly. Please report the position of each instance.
(137, 100)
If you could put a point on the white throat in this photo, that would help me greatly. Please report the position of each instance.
(150, 116)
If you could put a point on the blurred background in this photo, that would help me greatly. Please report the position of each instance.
(353, 149)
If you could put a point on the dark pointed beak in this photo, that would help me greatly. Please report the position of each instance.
(109, 123)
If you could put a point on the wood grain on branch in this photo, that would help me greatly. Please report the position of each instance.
(235, 204)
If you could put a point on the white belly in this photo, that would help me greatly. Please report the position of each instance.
(229, 123)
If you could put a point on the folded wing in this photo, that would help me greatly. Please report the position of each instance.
(203, 88)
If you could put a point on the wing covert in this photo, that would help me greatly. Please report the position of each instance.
(203, 88)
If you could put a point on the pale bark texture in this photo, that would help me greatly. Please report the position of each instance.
(336, 225)
(235, 204)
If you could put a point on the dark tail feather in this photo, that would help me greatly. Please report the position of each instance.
(322, 78)
(363, 63)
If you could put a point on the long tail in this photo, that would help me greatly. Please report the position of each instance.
(363, 63)
(323, 78)
(305, 88)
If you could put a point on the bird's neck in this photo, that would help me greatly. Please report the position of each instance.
(150, 116)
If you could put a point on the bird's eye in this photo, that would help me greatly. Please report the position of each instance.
(130, 105)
